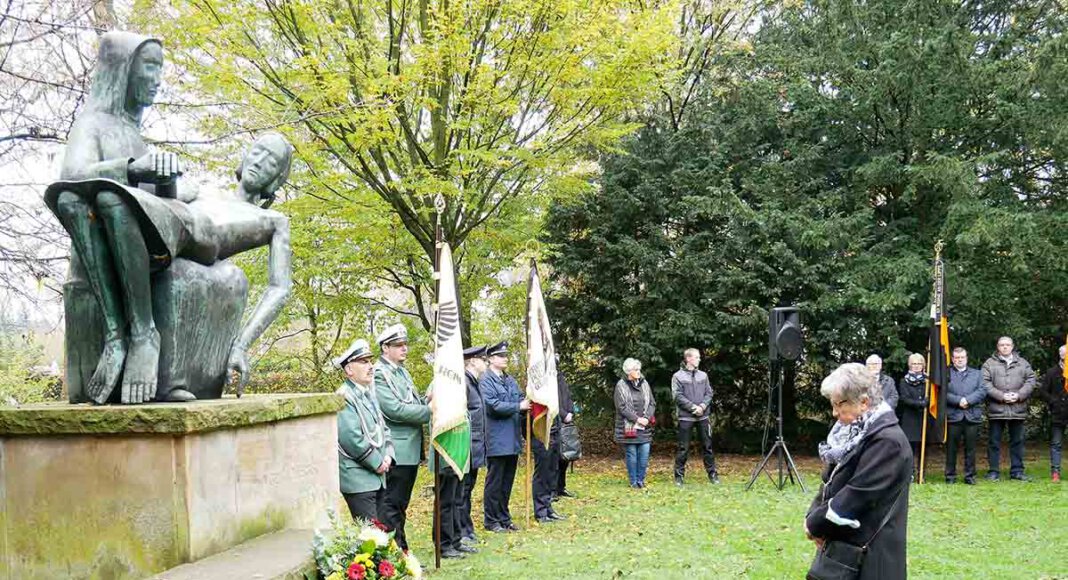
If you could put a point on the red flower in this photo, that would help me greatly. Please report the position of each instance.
(357, 572)
(386, 569)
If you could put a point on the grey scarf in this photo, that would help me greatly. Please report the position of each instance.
(843, 438)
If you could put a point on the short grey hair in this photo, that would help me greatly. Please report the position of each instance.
(631, 364)
(917, 357)
(852, 382)
(1008, 338)
(874, 359)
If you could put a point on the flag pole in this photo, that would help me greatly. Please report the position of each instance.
(528, 487)
(439, 208)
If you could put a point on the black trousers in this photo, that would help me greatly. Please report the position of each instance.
(400, 480)
(546, 461)
(467, 526)
(449, 496)
(365, 505)
(500, 475)
(561, 475)
(683, 449)
(1016, 445)
(957, 431)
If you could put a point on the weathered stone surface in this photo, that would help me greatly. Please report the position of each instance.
(284, 555)
(88, 504)
(61, 418)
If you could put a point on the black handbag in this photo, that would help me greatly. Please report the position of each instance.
(841, 560)
(570, 443)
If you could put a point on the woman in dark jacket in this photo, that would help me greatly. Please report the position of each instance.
(1054, 391)
(911, 404)
(635, 410)
(864, 497)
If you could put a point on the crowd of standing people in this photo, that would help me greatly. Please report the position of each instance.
(870, 455)
(381, 443)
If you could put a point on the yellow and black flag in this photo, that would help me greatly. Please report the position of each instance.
(938, 349)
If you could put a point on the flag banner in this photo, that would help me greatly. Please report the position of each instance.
(1065, 369)
(938, 363)
(450, 432)
(541, 361)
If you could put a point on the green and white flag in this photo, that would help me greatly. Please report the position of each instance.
(450, 432)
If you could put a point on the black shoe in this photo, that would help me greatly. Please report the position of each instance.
(451, 552)
(714, 478)
(1020, 477)
(993, 476)
(951, 480)
(469, 540)
(466, 549)
(565, 493)
(556, 516)
(969, 481)
(511, 527)
(498, 530)
(545, 520)
(678, 481)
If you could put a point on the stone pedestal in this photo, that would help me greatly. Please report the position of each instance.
(128, 492)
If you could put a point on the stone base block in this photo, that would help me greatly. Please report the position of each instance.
(128, 492)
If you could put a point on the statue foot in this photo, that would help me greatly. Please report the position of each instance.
(180, 396)
(108, 369)
(142, 368)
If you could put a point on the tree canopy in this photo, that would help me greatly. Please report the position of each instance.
(819, 168)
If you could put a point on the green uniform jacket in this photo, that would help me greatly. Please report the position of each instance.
(359, 426)
(405, 411)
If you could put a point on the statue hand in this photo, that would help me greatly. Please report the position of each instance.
(239, 364)
(156, 167)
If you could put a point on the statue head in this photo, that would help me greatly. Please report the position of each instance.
(127, 75)
(265, 167)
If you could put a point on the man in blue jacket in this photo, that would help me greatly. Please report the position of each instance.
(504, 407)
(964, 414)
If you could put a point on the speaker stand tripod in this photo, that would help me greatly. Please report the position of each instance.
(786, 467)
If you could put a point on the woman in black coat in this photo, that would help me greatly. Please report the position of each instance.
(864, 497)
(912, 405)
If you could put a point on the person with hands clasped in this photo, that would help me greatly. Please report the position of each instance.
(364, 445)
(635, 418)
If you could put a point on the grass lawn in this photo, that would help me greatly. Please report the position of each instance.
(992, 530)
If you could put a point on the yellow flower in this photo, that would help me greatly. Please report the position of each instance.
(335, 576)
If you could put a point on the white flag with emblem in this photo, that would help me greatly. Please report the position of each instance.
(541, 361)
(450, 432)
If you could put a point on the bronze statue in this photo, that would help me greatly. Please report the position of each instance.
(127, 242)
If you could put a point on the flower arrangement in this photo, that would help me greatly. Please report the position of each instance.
(361, 551)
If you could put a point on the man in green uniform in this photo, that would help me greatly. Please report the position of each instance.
(406, 412)
(364, 447)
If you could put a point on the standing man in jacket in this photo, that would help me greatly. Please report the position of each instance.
(406, 412)
(886, 383)
(964, 414)
(1054, 391)
(364, 446)
(567, 412)
(474, 367)
(504, 411)
(1009, 381)
(693, 397)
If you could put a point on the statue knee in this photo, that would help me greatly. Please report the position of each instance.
(108, 200)
(70, 206)
(111, 206)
